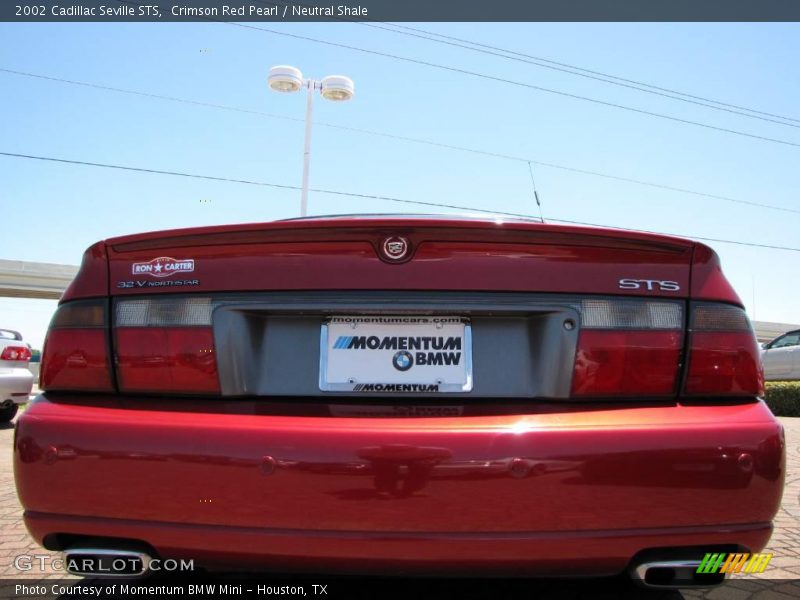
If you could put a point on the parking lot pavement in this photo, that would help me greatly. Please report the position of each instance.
(781, 580)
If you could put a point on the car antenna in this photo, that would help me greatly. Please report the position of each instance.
(535, 193)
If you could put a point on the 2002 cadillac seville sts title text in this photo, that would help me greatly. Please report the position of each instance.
(413, 394)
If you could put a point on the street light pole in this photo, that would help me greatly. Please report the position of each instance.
(334, 87)
(307, 147)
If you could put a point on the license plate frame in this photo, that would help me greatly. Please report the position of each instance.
(356, 368)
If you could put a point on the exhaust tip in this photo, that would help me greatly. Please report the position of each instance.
(671, 574)
(106, 562)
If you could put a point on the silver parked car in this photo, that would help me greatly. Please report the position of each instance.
(781, 357)
(16, 380)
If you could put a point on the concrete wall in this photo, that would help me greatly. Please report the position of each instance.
(766, 331)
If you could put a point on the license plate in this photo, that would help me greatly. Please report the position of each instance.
(402, 354)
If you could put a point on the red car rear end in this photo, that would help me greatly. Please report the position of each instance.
(402, 394)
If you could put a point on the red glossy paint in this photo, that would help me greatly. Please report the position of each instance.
(708, 281)
(331, 254)
(533, 487)
(92, 278)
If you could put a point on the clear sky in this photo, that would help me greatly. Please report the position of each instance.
(52, 212)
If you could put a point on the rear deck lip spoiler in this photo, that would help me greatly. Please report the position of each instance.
(340, 229)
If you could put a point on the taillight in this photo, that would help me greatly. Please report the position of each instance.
(724, 359)
(628, 347)
(165, 345)
(75, 356)
(22, 353)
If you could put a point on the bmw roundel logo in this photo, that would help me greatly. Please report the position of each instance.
(402, 360)
(395, 248)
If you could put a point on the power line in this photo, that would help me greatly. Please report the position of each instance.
(402, 138)
(145, 170)
(554, 65)
(513, 82)
(580, 72)
(109, 88)
(371, 197)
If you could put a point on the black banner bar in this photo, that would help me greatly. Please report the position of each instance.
(321, 587)
(399, 10)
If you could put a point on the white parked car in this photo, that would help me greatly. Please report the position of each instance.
(16, 380)
(781, 357)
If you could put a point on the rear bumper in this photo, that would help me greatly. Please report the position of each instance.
(556, 490)
(551, 553)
